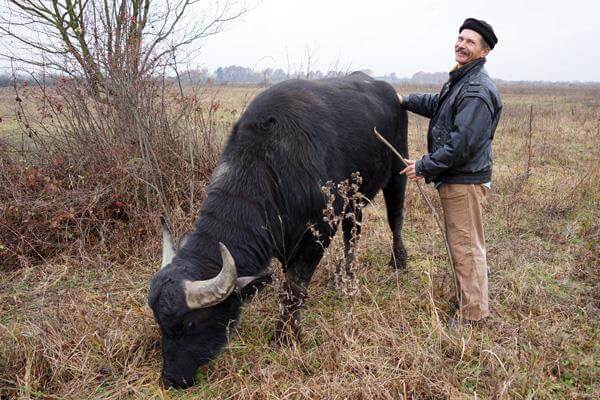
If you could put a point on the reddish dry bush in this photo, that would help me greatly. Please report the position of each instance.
(86, 172)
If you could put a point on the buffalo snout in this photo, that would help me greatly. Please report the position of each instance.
(177, 382)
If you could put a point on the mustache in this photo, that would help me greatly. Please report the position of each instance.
(461, 50)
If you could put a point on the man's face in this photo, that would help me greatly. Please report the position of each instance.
(469, 47)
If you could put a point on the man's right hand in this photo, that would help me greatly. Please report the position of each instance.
(411, 171)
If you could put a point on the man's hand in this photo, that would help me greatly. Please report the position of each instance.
(410, 171)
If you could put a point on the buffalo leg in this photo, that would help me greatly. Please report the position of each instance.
(291, 302)
(394, 193)
(299, 271)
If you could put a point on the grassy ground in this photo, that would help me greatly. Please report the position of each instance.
(79, 327)
(8, 123)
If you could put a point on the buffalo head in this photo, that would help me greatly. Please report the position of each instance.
(195, 316)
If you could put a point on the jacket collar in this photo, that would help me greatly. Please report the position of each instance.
(458, 73)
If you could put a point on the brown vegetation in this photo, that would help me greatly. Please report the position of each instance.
(80, 176)
(73, 316)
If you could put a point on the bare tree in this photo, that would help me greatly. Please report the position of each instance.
(108, 41)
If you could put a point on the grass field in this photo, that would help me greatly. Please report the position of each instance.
(78, 327)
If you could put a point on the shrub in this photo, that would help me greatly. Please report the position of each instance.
(85, 172)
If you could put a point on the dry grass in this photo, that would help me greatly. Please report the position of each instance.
(78, 327)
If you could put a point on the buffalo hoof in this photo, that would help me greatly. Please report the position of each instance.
(177, 383)
(398, 260)
(286, 335)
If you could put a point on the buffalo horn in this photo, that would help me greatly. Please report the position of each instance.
(168, 248)
(201, 294)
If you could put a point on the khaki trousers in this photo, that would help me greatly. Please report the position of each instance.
(462, 205)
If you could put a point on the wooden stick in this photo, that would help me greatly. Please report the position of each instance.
(431, 207)
(528, 167)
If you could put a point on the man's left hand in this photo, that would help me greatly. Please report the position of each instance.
(410, 171)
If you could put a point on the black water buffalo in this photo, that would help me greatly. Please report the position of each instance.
(264, 194)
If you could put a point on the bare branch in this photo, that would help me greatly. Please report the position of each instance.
(108, 42)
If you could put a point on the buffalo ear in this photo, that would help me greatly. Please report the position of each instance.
(268, 123)
(249, 286)
(184, 239)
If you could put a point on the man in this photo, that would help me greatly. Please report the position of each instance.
(464, 116)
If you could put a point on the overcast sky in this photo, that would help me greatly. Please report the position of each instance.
(538, 40)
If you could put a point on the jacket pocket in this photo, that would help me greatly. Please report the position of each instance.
(440, 135)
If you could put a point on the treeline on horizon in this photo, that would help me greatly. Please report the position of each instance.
(238, 75)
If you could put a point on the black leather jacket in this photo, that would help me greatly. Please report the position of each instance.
(464, 116)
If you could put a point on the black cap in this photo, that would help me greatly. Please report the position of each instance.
(481, 27)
